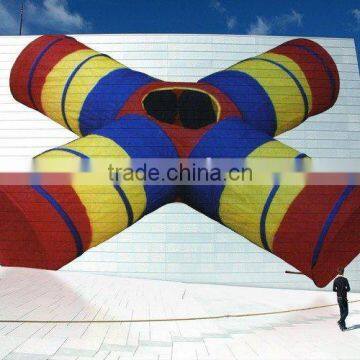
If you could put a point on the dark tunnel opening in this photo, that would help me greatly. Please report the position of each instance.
(188, 108)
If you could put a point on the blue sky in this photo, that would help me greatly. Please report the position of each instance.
(334, 18)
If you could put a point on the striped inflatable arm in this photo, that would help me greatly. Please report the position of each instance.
(313, 227)
(278, 90)
(77, 87)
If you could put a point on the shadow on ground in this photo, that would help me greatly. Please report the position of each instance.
(354, 327)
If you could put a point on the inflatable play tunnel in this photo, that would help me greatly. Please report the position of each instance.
(310, 220)
(306, 219)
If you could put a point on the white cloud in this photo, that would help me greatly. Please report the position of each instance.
(281, 23)
(356, 14)
(9, 25)
(259, 27)
(48, 16)
(218, 6)
(230, 20)
(55, 15)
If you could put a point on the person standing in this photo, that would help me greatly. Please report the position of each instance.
(341, 287)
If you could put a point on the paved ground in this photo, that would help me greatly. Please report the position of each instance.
(43, 295)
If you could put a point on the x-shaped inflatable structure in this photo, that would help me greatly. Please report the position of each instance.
(231, 114)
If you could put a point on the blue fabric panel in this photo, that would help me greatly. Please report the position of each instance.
(249, 97)
(142, 138)
(230, 139)
(108, 97)
(139, 136)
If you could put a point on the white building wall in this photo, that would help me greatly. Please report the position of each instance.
(176, 243)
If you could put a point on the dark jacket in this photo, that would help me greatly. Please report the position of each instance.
(341, 287)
